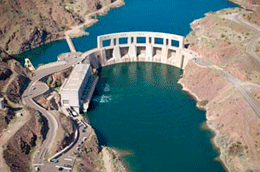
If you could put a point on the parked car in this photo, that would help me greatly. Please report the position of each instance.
(74, 113)
(69, 111)
(54, 160)
(67, 165)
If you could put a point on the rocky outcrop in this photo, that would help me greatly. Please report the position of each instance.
(68, 129)
(6, 115)
(16, 87)
(17, 152)
(14, 78)
(5, 72)
(89, 157)
(30, 23)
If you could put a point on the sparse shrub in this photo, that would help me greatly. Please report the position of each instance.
(49, 80)
(203, 102)
(57, 83)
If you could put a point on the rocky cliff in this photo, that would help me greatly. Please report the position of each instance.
(26, 24)
(13, 80)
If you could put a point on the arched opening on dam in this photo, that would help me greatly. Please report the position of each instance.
(140, 108)
(143, 47)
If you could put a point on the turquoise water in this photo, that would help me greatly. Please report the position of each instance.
(140, 107)
(169, 16)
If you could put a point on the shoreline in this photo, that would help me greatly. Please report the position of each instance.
(207, 126)
(223, 140)
(78, 31)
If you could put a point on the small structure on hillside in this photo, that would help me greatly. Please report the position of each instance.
(29, 65)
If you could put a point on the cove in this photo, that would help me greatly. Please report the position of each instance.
(139, 107)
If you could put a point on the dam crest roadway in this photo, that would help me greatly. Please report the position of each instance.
(139, 47)
(143, 47)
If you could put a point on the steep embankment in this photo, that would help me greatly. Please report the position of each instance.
(30, 23)
(18, 151)
(224, 42)
(13, 80)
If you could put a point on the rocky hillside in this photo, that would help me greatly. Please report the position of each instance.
(18, 151)
(227, 43)
(26, 24)
(223, 42)
(13, 80)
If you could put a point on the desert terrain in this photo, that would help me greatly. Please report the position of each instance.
(224, 40)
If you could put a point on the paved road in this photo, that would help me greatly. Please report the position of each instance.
(250, 49)
(251, 45)
(242, 87)
(34, 89)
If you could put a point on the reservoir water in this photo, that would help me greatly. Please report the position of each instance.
(140, 107)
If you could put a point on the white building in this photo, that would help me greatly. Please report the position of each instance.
(72, 89)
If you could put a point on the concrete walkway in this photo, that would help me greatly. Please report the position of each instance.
(70, 44)
(107, 160)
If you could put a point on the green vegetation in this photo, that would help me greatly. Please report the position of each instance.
(236, 149)
(100, 162)
(203, 102)
(57, 83)
(49, 80)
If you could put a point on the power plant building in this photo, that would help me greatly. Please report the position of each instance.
(72, 89)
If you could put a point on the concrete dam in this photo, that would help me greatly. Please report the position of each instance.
(121, 48)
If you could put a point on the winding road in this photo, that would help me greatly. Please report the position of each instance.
(35, 89)
(250, 49)
(242, 87)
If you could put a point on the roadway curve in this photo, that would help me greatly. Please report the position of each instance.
(242, 87)
(251, 45)
(250, 49)
(35, 89)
